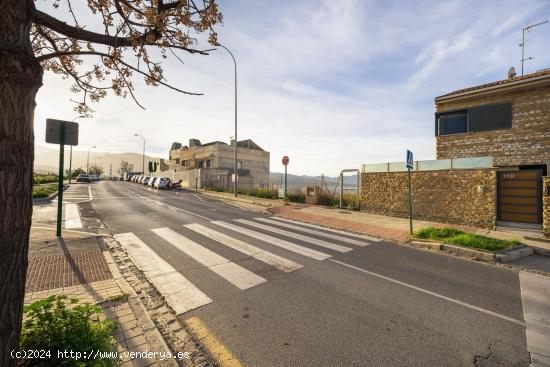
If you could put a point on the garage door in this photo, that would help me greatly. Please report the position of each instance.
(519, 196)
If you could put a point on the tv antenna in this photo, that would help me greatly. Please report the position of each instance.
(522, 44)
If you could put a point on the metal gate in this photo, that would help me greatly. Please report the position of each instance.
(520, 196)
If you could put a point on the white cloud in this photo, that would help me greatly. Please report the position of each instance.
(333, 84)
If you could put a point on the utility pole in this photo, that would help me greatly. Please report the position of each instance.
(522, 44)
(71, 156)
(143, 157)
(88, 160)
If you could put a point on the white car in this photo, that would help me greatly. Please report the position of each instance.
(162, 183)
(152, 181)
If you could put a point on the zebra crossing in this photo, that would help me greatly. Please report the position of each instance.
(78, 193)
(182, 295)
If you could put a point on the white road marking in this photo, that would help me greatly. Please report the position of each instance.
(315, 232)
(350, 234)
(317, 255)
(425, 291)
(90, 193)
(165, 205)
(233, 273)
(72, 216)
(535, 296)
(296, 236)
(179, 292)
(198, 197)
(267, 257)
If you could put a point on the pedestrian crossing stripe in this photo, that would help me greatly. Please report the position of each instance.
(315, 232)
(296, 236)
(349, 234)
(180, 294)
(317, 255)
(233, 273)
(257, 253)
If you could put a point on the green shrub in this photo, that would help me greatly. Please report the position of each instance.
(349, 199)
(454, 236)
(296, 196)
(51, 325)
(42, 179)
(42, 191)
(267, 193)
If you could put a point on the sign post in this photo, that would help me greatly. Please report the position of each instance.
(409, 168)
(285, 163)
(61, 132)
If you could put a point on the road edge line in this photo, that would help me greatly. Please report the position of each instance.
(211, 343)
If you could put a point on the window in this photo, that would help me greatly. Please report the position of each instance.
(177, 161)
(185, 163)
(208, 163)
(477, 118)
(453, 123)
(490, 117)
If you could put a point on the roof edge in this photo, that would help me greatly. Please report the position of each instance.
(503, 85)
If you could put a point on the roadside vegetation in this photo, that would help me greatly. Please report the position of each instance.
(349, 200)
(454, 236)
(61, 324)
(298, 195)
(39, 178)
(42, 191)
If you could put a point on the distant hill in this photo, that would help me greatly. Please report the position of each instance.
(47, 160)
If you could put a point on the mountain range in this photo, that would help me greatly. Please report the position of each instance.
(46, 160)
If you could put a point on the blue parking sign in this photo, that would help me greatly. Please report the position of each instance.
(409, 159)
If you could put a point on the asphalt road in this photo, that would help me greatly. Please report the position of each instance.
(381, 304)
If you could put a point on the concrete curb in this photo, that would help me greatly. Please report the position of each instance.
(501, 257)
(47, 199)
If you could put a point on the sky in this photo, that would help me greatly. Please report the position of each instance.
(331, 84)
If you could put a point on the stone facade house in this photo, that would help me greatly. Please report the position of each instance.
(212, 164)
(510, 121)
(506, 122)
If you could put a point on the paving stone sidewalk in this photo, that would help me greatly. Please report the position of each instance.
(392, 228)
(79, 266)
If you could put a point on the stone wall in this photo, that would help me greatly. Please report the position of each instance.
(526, 143)
(545, 206)
(449, 196)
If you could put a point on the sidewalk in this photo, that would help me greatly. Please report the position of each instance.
(392, 228)
(78, 265)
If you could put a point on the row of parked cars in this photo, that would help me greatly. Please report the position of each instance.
(155, 182)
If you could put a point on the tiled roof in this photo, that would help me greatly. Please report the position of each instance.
(498, 83)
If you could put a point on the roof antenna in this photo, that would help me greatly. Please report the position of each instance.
(522, 44)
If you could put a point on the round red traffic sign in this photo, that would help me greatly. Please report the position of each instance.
(285, 160)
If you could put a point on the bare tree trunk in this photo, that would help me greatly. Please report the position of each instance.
(20, 79)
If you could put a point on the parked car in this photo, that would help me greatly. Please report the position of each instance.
(83, 178)
(135, 178)
(94, 177)
(163, 183)
(152, 181)
(146, 180)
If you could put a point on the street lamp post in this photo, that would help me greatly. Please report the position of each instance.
(143, 158)
(236, 140)
(88, 160)
(71, 155)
